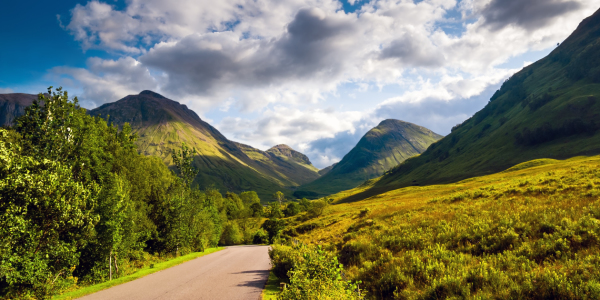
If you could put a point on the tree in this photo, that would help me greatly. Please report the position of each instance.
(279, 197)
(317, 208)
(44, 221)
(292, 209)
(275, 210)
(183, 161)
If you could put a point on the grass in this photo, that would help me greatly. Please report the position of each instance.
(532, 231)
(271, 288)
(139, 274)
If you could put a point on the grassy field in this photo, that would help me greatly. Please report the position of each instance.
(530, 232)
(139, 274)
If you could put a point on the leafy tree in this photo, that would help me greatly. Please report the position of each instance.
(183, 161)
(304, 204)
(292, 209)
(317, 208)
(273, 228)
(275, 210)
(279, 197)
(45, 219)
(257, 210)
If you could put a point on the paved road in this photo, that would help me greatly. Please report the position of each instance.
(238, 272)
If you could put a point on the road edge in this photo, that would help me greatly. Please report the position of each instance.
(84, 291)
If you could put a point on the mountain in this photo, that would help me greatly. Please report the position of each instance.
(550, 109)
(12, 106)
(163, 125)
(326, 169)
(282, 162)
(380, 149)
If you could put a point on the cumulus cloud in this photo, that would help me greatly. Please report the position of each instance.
(273, 66)
(530, 14)
(106, 80)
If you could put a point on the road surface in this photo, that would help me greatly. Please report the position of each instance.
(238, 272)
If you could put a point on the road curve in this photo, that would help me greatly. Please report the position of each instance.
(238, 272)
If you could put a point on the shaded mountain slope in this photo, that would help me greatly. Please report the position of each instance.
(13, 106)
(549, 109)
(326, 169)
(380, 149)
(163, 125)
(288, 165)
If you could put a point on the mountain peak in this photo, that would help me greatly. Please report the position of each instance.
(287, 151)
(151, 94)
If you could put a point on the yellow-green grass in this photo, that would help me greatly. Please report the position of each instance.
(271, 289)
(139, 274)
(530, 231)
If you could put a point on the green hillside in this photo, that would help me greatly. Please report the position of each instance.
(163, 125)
(549, 109)
(383, 147)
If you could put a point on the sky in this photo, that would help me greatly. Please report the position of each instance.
(313, 74)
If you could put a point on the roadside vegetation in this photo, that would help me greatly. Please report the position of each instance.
(530, 232)
(79, 205)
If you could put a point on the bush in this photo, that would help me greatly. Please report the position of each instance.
(260, 237)
(292, 209)
(317, 208)
(274, 228)
(312, 273)
(231, 234)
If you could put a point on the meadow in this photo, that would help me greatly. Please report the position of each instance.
(530, 232)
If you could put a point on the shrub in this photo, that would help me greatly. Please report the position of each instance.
(312, 273)
(260, 237)
(231, 234)
(317, 208)
(292, 209)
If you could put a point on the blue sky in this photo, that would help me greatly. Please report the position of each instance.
(314, 74)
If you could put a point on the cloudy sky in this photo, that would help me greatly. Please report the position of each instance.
(313, 74)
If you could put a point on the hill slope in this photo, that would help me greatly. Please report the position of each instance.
(12, 106)
(383, 147)
(163, 124)
(549, 109)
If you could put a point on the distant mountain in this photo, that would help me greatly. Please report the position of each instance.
(550, 109)
(326, 169)
(284, 163)
(380, 149)
(163, 125)
(13, 106)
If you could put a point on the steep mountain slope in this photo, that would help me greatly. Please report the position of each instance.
(12, 106)
(383, 147)
(549, 109)
(163, 124)
(288, 165)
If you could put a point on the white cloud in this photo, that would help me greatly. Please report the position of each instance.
(284, 61)
(6, 91)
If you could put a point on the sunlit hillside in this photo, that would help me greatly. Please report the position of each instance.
(532, 231)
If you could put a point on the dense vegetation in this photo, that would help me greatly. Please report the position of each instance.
(74, 192)
(531, 232)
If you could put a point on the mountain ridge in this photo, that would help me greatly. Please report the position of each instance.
(381, 148)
